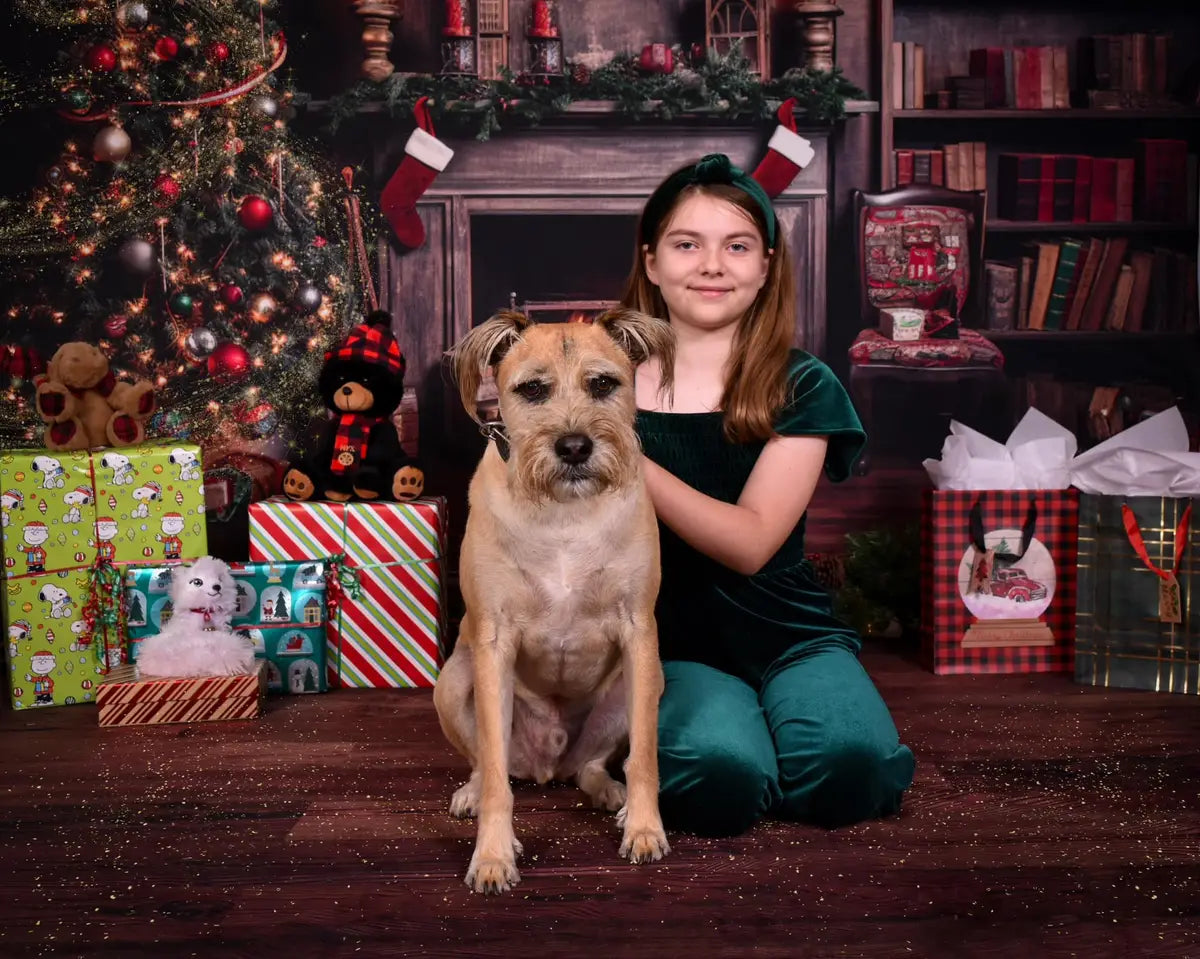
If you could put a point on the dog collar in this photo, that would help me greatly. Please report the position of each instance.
(495, 431)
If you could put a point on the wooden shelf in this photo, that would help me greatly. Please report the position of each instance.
(1166, 113)
(1087, 229)
(1091, 336)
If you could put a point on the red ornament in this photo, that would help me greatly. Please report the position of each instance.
(657, 58)
(167, 189)
(167, 48)
(102, 58)
(228, 362)
(255, 213)
(116, 325)
(218, 52)
(231, 295)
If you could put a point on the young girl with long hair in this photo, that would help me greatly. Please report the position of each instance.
(766, 709)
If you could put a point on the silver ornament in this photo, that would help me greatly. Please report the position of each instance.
(201, 342)
(307, 300)
(133, 15)
(267, 106)
(111, 145)
(137, 257)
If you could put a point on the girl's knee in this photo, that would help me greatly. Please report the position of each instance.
(849, 780)
(722, 792)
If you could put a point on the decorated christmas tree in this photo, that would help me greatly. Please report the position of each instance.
(180, 228)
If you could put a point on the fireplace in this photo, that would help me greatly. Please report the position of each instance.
(547, 215)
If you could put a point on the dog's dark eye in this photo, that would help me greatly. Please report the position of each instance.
(535, 391)
(601, 386)
(196, 582)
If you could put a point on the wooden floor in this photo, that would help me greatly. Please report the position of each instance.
(1046, 820)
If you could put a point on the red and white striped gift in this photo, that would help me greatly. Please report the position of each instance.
(390, 633)
(125, 700)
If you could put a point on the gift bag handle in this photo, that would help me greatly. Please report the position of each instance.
(1026, 531)
(1134, 533)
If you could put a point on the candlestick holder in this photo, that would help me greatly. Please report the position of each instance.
(544, 40)
(377, 17)
(818, 28)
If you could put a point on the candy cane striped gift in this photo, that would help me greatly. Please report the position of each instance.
(386, 630)
(125, 700)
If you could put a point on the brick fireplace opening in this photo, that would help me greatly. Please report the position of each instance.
(534, 261)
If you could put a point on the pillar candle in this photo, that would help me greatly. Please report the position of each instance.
(541, 19)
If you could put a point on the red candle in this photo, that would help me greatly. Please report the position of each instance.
(455, 23)
(541, 19)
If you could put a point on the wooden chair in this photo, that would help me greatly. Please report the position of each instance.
(918, 246)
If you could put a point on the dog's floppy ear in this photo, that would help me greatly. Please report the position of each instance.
(484, 346)
(639, 335)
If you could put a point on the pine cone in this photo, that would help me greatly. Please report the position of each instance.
(581, 74)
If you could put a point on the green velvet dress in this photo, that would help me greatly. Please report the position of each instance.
(766, 708)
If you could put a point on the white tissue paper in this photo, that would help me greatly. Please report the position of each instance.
(1037, 455)
(1149, 459)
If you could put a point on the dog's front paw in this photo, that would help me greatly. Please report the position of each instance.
(493, 874)
(611, 797)
(464, 804)
(645, 844)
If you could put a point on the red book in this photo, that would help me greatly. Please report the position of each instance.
(1029, 79)
(904, 167)
(988, 63)
(1124, 190)
(1104, 190)
(1083, 189)
(1045, 207)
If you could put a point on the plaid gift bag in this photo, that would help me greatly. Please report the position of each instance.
(1137, 625)
(998, 575)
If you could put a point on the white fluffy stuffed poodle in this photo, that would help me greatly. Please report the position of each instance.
(197, 640)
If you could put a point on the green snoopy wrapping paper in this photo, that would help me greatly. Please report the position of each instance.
(65, 515)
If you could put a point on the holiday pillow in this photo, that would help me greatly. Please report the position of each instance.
(912, 253)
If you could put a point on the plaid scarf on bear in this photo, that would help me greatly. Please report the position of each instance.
(353, 434)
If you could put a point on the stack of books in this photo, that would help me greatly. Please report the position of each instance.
(1093, 284)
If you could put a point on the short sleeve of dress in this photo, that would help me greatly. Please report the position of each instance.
(818, 405)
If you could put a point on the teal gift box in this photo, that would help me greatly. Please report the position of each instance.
(281, 609)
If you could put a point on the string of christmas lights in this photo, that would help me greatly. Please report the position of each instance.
(182, 227)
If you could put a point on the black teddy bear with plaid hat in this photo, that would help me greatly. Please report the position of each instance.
(356, 454)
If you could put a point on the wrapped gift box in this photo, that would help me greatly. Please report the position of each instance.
(386, 618)
(69, 519)
(124, 699)
(281, 608)
(1122, 636)
(1014, 613)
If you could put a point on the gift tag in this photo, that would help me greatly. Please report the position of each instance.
(981, 572)
(1168, 599)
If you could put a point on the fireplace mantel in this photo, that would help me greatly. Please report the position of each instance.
(576, 168)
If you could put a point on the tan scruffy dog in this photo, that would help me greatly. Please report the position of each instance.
(556, 667)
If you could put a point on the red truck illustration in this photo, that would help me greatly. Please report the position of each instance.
(1012, 583)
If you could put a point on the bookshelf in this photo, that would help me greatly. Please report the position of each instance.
(1147, 96)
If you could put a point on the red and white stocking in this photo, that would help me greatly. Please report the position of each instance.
(787, 153)
(425, 156)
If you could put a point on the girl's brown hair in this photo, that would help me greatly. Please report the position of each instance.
(756, 375)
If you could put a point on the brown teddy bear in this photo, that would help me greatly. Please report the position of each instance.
(85, 407)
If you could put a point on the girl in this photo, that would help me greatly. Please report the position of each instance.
(766, 708)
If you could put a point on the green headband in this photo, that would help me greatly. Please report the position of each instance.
(712, 169)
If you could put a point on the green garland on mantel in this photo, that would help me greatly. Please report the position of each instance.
(719, 86)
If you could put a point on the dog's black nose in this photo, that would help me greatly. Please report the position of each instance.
(217, 587)
(573, 448)
(347, 390)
